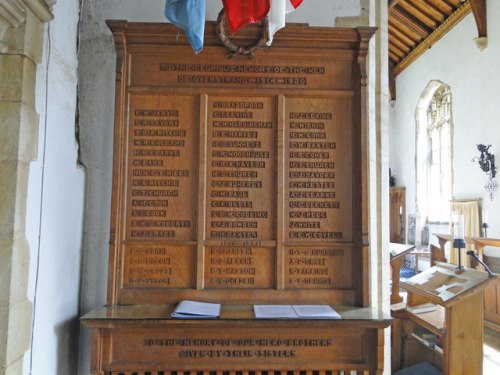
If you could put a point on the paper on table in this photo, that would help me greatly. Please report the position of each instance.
(196, 310)
(274, 311)
(295, 312)
(316, 312)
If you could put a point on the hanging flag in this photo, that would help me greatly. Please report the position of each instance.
(242, 12)
(188, 15)
(276, 16)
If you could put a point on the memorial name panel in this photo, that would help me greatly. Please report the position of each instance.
(318, 267)
(318, 170)
(159, 266)
(162, 168)
(241, 191)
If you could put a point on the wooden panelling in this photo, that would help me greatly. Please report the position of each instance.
(238, 179)
(397, 214)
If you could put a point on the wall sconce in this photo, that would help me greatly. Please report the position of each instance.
(486, 162)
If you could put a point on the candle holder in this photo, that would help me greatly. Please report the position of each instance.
(459, 243)
(485, 229)
(485, 223)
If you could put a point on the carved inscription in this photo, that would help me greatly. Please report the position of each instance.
(316, 210)
(239, 267)
(238, 347)
(229, 75)
(318, 267)
(241, 186)
(268, 347)
(162, 168)
(241, 168)
(159, 266)
(178, 70)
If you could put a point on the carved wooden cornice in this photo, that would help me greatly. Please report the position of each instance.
(13, 14)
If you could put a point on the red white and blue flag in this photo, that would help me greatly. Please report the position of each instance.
(243, 12)
(277, 13)
(190, 16)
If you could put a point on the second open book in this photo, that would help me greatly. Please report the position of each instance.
(295, 312)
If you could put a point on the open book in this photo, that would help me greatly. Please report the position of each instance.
(295, 312)
(196, 310)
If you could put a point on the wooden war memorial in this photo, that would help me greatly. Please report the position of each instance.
(238, 181)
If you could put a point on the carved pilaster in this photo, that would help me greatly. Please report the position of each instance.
(13, 15)
(21, 41)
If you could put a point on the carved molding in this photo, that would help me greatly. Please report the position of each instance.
(50, 3)
(40, 8)
(13, 15)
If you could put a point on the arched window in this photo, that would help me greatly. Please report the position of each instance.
(434, 154)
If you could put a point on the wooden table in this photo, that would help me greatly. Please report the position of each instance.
(145, 339)
(397, 252)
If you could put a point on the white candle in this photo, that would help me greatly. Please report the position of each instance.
(401, 210)
(458, 227)
(485, 216)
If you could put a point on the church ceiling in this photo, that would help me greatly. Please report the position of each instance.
(414, 25)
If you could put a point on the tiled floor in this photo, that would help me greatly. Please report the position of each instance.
(491, 350)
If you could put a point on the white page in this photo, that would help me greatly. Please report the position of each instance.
(316, 312)
(196, 310)
(274, 311)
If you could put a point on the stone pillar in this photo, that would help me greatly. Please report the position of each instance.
(21, 41)
(375, 13)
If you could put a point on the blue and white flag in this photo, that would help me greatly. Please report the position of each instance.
(188, 15)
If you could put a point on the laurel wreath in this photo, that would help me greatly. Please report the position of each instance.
(234, 49)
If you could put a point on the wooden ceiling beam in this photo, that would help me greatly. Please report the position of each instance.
(453, 3)
(479, 10)
(436, 35)
(393, 39)
(396, 51)
(442, 6)
(430, 10)
(402, 34)
(403, 23)
(422, 16)
(414, 20)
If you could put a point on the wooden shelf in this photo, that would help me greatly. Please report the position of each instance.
(434, 321)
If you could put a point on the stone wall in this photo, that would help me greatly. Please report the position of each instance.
(21, 31)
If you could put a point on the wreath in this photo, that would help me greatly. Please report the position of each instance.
(239, 50)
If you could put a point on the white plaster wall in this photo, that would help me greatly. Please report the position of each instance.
(55, 204)
(474, 80)
(314, 12)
